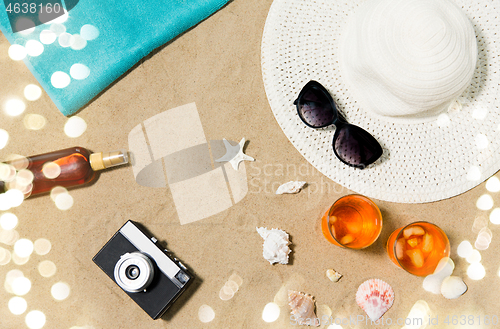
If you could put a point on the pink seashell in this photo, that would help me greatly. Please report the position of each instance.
(302, 306)
(375, 297)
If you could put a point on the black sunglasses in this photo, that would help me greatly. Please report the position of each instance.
(353, 145)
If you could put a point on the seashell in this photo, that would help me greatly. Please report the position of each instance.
(302, 306)
(290, 187)
(444, 269)
(333, 275)
(375, 297)
(275, 247)
(453, 287)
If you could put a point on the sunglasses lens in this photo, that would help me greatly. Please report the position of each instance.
(355, 146)
(315, 108)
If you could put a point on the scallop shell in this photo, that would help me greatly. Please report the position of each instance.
(302, 306)
(290, 187)
(375, 297)
(275, 248)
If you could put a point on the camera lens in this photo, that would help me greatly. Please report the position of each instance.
(132, 272)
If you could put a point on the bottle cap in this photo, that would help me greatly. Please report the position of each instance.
(103, 160)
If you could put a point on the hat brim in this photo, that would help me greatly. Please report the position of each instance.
(422, 162)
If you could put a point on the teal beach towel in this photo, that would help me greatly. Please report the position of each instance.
(77, 55)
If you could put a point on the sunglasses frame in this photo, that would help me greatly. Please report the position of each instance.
(338, 121)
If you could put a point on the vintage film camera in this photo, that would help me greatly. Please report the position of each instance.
(143, 270)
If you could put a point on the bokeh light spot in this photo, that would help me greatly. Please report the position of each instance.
(480, 113)
(17, 52)
(8, 221)
(474, 256)
(9, 237)
(17, 305)
(47, 37)
(4, 138)
(64, 201)
(481, 141)
(485, 202)
(35, 319)
(7, 172)
(480, 222)
(18, 161)
(57, 28)
(42, 246)
(60, 80)
(14, 197)
(19, 260)
(226, 293)
(56, 191)
(443, 120)
(47, 268)
(64, 40)
(34, 121)
(51, 170)
(14, 107)
(495, 216)
(79, 71)
(5, 256)
(32, 92)
(474, 174)
(464, 249)
(25, 26)
(236, 279)
(75, 127)
(11, 276)
(60, 291)
(21, 286)
(271, 312)
(77, 42)
(476, 271)
(23, 247)
(24, 177)
(206, 313)
(89, 32)
(4, 202)
(493, 184)
(34, 48)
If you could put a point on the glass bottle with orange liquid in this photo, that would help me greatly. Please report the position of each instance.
(353, 221)
(67, 168)
(418, 247)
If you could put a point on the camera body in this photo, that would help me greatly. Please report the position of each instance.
(143, 270)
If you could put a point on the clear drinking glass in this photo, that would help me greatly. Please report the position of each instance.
(418, 247)
(353, 221)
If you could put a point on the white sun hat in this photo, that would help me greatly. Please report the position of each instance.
(422, 76)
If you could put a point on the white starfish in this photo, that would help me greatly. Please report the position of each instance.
(234, 154)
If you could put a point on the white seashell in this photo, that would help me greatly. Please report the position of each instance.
(375, 297)
(302, 306)
(290, 187)
(333, 275)
(444, 269)
(432, 283)
(453, 287)
(275, 247)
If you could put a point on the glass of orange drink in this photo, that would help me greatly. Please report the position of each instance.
(418, 247)
(353, 221)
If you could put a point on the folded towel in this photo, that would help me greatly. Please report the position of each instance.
(97, 41)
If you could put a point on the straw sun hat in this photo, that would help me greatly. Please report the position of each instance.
(422, 76)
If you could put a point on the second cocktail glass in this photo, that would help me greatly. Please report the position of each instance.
(418, 247)
(353, 221)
